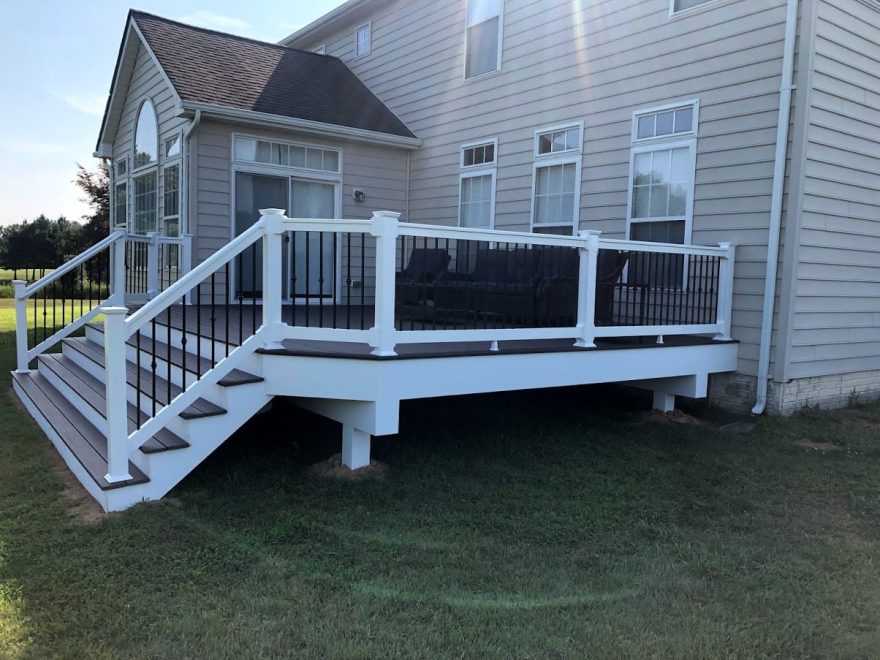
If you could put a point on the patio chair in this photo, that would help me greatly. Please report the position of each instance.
(415, 283)
(609, 272)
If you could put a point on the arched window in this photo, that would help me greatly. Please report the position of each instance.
(146, 140)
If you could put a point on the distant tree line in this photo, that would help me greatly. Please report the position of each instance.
(47, 243)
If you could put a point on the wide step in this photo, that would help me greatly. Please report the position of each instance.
(93, 393)
(85, 442)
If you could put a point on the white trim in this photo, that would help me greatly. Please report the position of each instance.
(288, 168)
(565, 157)
(709, 4)
(691, 145)
(369, 26)
(305, 125)
(556, 129)
(164, 217)
(642, 112)
(155, 61)
(468, 26)
(132, 226)
(140, 169)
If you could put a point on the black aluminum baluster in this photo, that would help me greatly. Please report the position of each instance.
(467, 291)
(213, 319)
(167, 344)
(183, 340)
(153, 366)
(308, 265)
(45, 313)
(226, 308)
(137, 352)
(198, 331)
(333, 289)
(424, 286)
(434, 288)
(240, 297)
(320, 279)
(262, 287)
(364, 283)
(348, 281)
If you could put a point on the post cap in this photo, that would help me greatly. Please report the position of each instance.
(115, 311)
(394, 215)
(273, 211)
(586, 233)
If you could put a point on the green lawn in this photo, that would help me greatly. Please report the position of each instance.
(554, 524)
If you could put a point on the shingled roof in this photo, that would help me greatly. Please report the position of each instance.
(221, 69)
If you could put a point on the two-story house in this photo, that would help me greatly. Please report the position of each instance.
(413, 198)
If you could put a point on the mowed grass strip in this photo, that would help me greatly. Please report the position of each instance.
(536, 524)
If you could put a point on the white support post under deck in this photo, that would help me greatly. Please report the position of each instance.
(355, 447)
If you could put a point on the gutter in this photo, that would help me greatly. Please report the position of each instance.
(782, 134)
(187, 160)
(304, 125)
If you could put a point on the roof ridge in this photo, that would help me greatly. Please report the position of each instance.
(135, 13)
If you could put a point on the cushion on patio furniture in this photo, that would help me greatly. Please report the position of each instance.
(425, 264)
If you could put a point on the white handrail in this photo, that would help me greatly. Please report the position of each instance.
(193, 278)
(668, 248)
(56, 274)
(489, 235)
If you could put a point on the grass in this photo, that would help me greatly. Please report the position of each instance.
(548, 524)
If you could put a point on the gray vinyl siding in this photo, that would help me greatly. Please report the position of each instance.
(147, 82)
(836, 309)
(598, 65)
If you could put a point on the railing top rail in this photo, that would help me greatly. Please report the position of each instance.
(58, 273)
(194, 277)
(338, 225)
(149, 238)
(668, 248)
(491, 235)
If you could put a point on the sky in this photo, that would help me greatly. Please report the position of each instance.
(56, 64)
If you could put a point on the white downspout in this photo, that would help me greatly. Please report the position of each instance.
(782, 134)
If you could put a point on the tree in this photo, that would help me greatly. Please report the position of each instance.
(96, 187)
(40, 243)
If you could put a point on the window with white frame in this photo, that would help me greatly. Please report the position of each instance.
(120, 192)
(362, 39)
(145, 201)
(477, 184)
(172, 146)
(286, 154)
(557, 179)
(482, 37)
(682, 5)
(171, 199)
(663, 161)
(146, 142)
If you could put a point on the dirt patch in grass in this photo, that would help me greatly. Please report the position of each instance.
(333, 468)
(817, 446)
(80, 505)
(674, 417)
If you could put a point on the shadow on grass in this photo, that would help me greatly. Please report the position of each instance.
(549, 523)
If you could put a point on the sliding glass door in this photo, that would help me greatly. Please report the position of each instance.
(308, 264)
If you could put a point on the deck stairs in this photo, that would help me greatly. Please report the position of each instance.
(65, 394)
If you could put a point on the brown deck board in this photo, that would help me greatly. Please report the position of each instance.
(85, 442)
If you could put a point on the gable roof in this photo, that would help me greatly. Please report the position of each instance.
(223, 70)
(346, 11)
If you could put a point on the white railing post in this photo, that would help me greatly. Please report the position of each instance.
(153, 265)
(725, 291)
(21, 330)
(184, 261)
(117, 272)
(116, 394)
(385, 229)
(273, 231)
(587, 283)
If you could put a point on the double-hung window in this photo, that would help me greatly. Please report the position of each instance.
(482, 37)
(477, 184)
(556, 186)
(362, 39)
(663, 160)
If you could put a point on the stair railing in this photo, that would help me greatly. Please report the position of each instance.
(189, 306)
(65, 300)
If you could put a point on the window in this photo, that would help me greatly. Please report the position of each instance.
(362, 40)
(482, 37)
(145, 201)
(477, 185)
(146, 142)
(321, 50)
(665, 123)
(681, 5)
(286, 154)
(662, 174)
(557, 179)
(171, 200)
(172, 147)
(120, 192)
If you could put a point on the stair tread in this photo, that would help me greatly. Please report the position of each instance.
(95, 352)
(194, 364)
(93, 392)
(85, 442)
